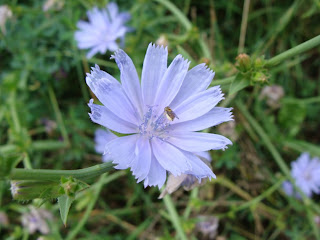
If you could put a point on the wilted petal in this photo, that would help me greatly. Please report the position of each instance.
(129, 78)
(154, 67)
(198, 105)
(198, 141)
(109, 91)
(170, 157)
(197, 80)
(157, 174)
(140, 165)
(214, 117)
(171, 82)
(122, 150)
(103, 116)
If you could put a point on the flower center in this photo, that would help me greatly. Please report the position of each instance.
(154, 125)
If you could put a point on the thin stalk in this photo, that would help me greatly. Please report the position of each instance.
(223, 81)
(294, 51)
(174, 217)
(97, 189)
(274, 152)
(55, 175)
(176, 11)
(244, 23)
(57, 112)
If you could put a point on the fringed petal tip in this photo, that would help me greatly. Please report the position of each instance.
(118, 54)
(154, 46)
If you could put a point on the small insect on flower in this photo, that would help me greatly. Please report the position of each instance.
(170, 114)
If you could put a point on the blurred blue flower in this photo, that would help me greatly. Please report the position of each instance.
(158, 140)
(104, 28)
(306, 173)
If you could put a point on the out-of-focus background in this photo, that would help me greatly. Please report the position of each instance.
(44, 119)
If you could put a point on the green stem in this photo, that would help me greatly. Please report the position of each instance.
(294, 51)
(265, 139)
(176, 11)
(174, 217)
(104, 179)
(223, 81)
(55, 175)
(57, 112)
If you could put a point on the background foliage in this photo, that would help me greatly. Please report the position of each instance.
(44, 121)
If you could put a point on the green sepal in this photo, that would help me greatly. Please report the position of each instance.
(64, 206)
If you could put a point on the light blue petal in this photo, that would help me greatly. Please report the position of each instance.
(205, 155)
(109, 91)
(198, 105)
(103, 116)
(140, 166)
(214, 117)
(157, 174)
(154, 67)
(198, 141)
(171, 82)
(121, 150)
(112, 10)
(129, 78)
(170, 157)
(199, 168)
(101, 138)
(197, 80)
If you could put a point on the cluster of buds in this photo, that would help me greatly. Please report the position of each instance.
(251, 68)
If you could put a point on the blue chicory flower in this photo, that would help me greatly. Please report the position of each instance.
(159, 140)
(306, 173)
(104, 28)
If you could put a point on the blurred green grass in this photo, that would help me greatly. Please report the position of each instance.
(42, 77)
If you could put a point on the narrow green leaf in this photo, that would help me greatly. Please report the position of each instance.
(303, 146)
(64, 206)
(238, 84)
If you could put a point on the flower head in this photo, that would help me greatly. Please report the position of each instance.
(104, 28)
(157, 143)
(306, 173)
(37, 220)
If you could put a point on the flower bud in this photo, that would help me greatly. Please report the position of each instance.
(259, 77)
(31, 189)
(243, 62)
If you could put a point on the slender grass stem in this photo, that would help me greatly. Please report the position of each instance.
(58, 114)
(174, 217)
(265, 138)
(104, 179)
(244, 23)
(179, 14)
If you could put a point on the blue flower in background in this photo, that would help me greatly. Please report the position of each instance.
(158, 140)
(306, 173)
(103, 30)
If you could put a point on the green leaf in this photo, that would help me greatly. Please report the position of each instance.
(303, 146)
(7, 163)
(64, 206)
(239, 83)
